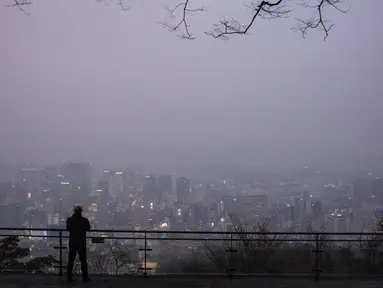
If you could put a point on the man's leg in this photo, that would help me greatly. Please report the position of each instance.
(84, 265)
(71, 258)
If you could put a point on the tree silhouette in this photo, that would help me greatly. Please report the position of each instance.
(11, 252)
(253, 245)
(11, 255)
(178, 16)
(100, 261)
(119, 257)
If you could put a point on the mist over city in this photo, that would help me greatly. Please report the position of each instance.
(102, 107)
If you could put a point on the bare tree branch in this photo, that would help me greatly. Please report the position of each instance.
(182, 26)
(266, 9)
(121, 3)
(317, 21)
(19, 4)
(178, 17)
(99, 262)
(123, 7)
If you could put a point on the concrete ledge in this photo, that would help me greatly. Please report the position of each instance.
(11, 280)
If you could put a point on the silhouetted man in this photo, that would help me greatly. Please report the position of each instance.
(77, 225)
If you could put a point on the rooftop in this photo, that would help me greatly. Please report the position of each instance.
(41, 280)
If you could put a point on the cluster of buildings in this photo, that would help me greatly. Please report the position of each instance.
(125, 199)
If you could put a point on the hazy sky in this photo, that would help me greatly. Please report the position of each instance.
(85, 81)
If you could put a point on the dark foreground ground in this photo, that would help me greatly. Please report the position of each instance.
(34, 281)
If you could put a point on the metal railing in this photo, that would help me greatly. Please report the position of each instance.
(125, 252)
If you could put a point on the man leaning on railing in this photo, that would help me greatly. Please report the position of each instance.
(77, 225)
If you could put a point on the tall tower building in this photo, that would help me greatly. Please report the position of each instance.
(316, 209)
(150, 193)
(79, 174)
(377, 187)
(49, 173)
(118, 183)
(102, 207)
(5, 192)
(29, 179)
(183, 190)
(165, 186)
(362, 188)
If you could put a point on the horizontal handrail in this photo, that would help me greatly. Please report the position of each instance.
(199, 232)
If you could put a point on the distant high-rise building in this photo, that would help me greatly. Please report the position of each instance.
(337, 222)
(49, 173)
(377, 187)
(288, 212)
(65, 198)
(5, 192)
(362, 188)
(79, 174)
(174, 190)
(291, 213)
(37, 218)
(21, 196)
(165, 186)
(132, 182)
(106, 174)
(132, 177)
(102, 208)
(10, 215)
(183, 190)
(316, 209)
(249, 206)
(118, 183)
(30, 179)
(377, 215)
(197, 216)
(150, 193)
(212, 194)
(103, 190)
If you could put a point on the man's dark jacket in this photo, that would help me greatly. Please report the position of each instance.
(77, 225)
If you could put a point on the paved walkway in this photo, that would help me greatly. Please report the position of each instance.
(37, 281)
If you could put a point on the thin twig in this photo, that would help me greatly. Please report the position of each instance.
(317, 21)
(19, 4)
(182, 26)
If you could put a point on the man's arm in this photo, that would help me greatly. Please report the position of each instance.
(68, 224)
(87, 224)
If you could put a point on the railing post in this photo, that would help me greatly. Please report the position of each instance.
(61, 253)
(317, 251)
(145, 249)
(60, 248)
(146, 274)
(231, 250)
(231, 255)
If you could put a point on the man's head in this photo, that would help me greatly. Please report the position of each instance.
(77, 209)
